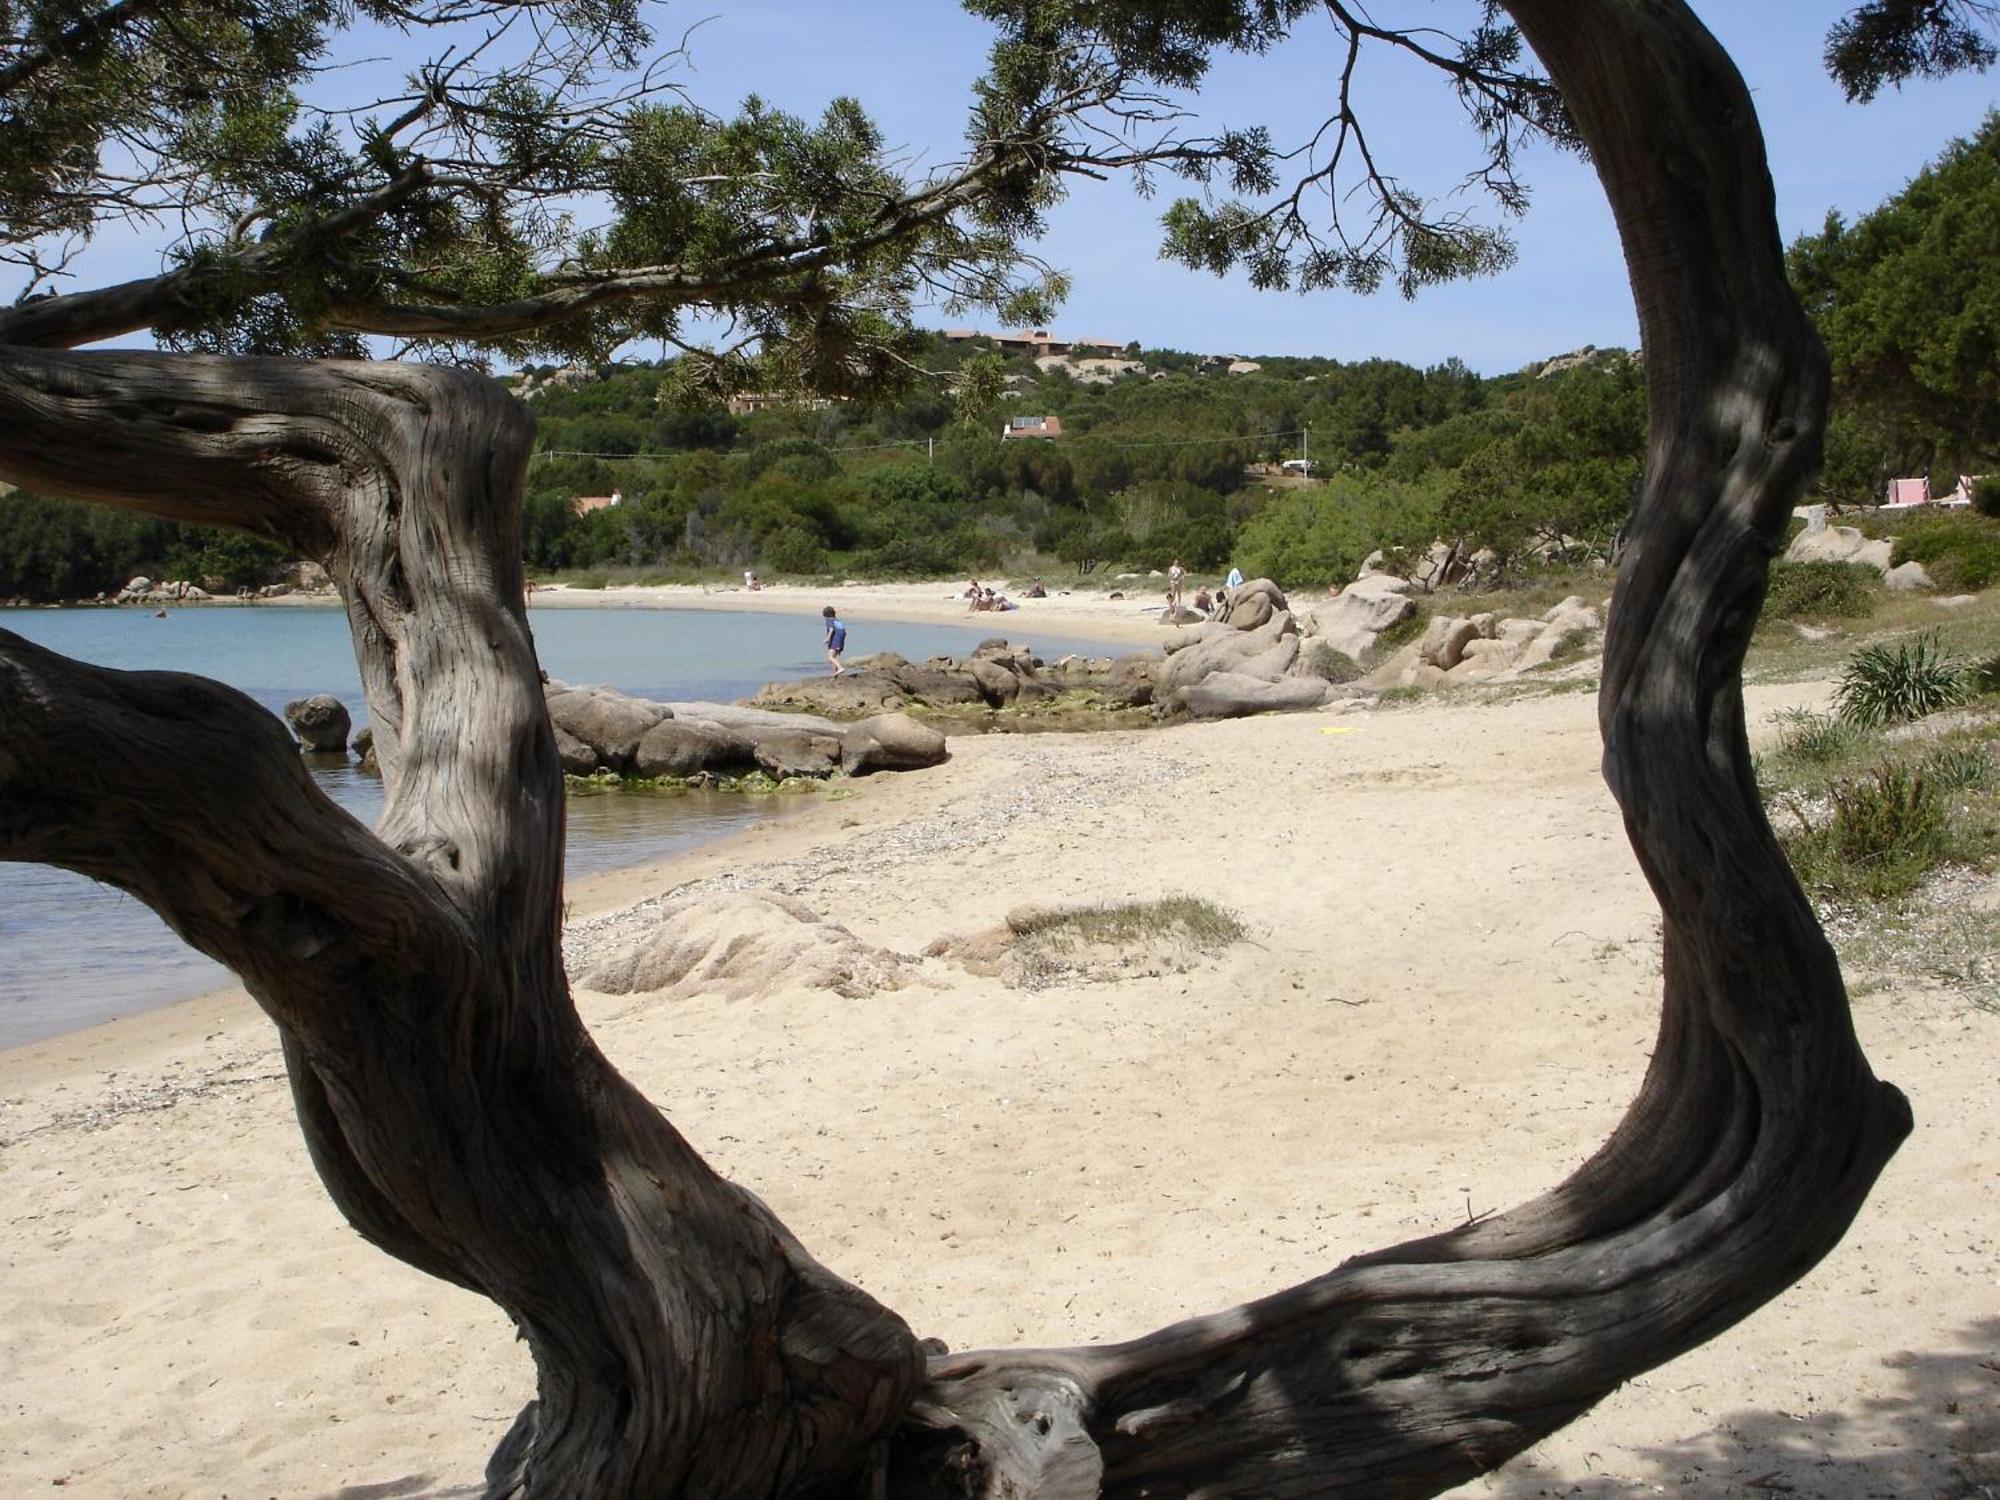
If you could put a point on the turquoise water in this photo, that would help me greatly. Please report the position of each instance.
(73, 953)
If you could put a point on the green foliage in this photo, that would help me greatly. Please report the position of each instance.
(1883, 686)
(1880, 835)
(1908, 301)
(1321, 534)
(1820, 591)
(54, 550)
(1960, 551)
(1329, 665)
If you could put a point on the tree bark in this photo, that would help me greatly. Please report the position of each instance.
(686, 1344)
(1759, 1128)
(453, 1102)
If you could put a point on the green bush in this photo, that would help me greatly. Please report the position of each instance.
(1882, 835)
(792, 549)
(1820, 591)
(1881, 686)
(1986, 496)
(1324, 662)
(1961, 552)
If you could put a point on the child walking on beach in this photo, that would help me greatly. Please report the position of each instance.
(836, 640)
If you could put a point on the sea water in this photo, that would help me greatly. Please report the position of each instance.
(73, 953)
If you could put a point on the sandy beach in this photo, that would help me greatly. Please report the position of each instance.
(1446, 998)
(1085, 615)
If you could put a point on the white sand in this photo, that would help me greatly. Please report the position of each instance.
(1449, 998)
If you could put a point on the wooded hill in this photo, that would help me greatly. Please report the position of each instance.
(1183, 459)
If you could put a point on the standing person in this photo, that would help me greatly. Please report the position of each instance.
(1176, 576)
(836, 640)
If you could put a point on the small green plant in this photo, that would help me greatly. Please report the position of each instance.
(1986, 496)
(1882, 834)
(1983, 678)
(1820, 591)
(1324, 662)
(1814, 739)
(1959, 768)
(1883, 686)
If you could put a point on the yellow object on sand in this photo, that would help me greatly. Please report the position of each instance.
(1342, 729)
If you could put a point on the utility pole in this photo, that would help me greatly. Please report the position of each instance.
(930, 449)
(1306, 449)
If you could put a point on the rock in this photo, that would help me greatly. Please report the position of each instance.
(677, 747)
(1234, 695)
(577, 758)
(1908, 578)
(996, 684)
(1444, 642)
(1130, 682)
(1218, 649)
(852, 693)
(1520, 632)
(364, 746)
(890, 742)
(1957, 601)
(320, 722)
(1486, 623)
(1367, 607)
(798, 752)
(610, 723)
(746, 944)
(137, 587)
(1182, 616)
(1840, 544)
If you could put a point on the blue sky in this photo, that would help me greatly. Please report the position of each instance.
(911, 63)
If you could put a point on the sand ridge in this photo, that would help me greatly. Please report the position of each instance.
(1448, 996)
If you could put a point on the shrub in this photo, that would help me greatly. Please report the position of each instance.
(793, 549)
(1959, 768)
(1986, 496)
(1881, 686)
(1882, 835)
(1961, 552)
(1815, 739)
(1324, 662)
(1984, 677)
(1820, 591)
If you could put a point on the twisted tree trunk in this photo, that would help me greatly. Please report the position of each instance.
(452, 1100)
(686, 1344)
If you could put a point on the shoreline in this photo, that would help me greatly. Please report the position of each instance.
(1091, 616)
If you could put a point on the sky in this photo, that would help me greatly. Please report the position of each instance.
(911, 64)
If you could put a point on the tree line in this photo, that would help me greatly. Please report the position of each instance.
(1177, 463)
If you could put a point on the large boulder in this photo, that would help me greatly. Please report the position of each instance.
(681, 747)
(320, 722)
(1840, 544)
(577, 758)
(610, 723)
(997, 684)
(1445, 641)
(1352, 622)
(852, 693)
(1130, 682)
(1908, 577)
(741, 945)
(1235, 695)
(797, 752)
(890, 742)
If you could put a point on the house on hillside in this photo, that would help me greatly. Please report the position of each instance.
(583, 505)
(1031, 427)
